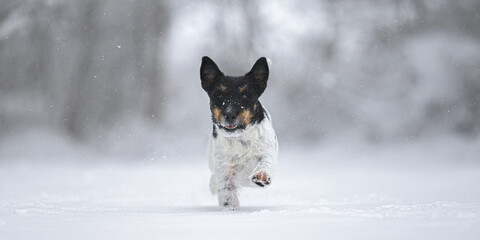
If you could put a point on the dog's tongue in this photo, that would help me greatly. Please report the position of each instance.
(230, 126)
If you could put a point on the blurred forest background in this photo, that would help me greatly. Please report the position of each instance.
(122, 76)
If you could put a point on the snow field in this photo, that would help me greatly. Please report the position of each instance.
(325, 194)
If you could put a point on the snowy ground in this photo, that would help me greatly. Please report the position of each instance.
(399, 192)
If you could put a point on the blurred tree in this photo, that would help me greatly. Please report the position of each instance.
(238, 26)
(151, 20)
(87, 64)
(79, 103)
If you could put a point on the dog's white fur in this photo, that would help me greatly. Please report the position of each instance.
(235, 158)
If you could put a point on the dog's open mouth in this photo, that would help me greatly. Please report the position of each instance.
(229, 127)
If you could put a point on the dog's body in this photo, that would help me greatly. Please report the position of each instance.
(243, 148)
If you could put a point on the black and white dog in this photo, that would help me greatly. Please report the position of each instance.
(243, 148)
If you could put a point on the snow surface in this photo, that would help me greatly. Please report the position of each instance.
(396, 192)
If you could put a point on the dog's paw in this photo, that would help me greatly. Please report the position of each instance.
(261, 178)
(229, 207)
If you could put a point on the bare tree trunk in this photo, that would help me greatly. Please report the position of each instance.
(150, 24)
(161, 19)
(78, 103)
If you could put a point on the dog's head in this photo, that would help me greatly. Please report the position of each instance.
(234, 100)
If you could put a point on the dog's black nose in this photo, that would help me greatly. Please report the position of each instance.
(230, 116)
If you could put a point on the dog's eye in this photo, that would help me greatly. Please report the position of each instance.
(245, 96)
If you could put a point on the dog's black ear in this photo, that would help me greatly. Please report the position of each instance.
(259, 75)
(209, 73)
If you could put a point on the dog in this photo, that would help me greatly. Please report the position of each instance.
(243, 147)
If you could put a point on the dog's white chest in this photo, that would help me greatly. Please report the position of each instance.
(238, 150)
(255, 143)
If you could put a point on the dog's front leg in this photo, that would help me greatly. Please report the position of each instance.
(227, 188)
(263, 173)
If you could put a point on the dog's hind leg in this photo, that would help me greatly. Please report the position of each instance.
(213, 185)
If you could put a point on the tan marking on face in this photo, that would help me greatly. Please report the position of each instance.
(217, 114)
(242, 88)
(245, 117)
(223, 88)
